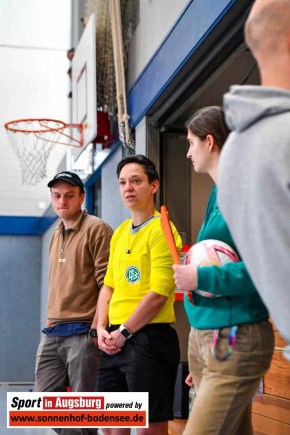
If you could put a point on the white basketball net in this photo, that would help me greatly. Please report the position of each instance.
(33, 148)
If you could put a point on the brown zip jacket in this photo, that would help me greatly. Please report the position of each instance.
(78, 263)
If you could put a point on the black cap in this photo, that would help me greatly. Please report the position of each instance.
(69, 177)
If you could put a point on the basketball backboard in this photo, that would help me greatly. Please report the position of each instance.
(84, 92)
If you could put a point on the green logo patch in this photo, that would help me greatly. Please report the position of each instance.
(133, 274)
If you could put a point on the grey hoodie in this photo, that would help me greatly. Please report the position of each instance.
(254, 191)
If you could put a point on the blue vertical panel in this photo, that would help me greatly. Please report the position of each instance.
(196, 22)
(20, 271)
(89, 184)
(89, 199)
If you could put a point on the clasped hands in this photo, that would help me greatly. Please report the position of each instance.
(110, 342)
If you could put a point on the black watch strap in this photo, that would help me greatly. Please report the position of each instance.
(125, 332)
(93, 333)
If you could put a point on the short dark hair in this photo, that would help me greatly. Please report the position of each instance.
(148, 166)
(209, 120)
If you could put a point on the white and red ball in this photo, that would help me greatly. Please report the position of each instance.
(210, 253)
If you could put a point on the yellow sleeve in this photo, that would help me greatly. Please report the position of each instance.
(161, 277)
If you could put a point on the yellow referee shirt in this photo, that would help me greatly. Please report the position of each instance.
(140, 261)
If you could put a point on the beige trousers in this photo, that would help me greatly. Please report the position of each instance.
(225, 389)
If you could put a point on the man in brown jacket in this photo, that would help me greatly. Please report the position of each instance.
(79, 250)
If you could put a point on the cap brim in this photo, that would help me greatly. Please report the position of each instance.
(52, 182)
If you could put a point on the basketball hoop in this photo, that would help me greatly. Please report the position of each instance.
(33, 140)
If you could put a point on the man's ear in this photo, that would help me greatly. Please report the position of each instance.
(82, 196)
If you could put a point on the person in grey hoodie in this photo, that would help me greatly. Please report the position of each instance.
(254, 170)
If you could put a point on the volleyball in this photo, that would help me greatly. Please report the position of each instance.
(210, 253)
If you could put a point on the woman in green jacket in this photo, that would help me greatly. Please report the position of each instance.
(231, 340)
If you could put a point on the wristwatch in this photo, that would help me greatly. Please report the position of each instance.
(93, 333)
(125, 332)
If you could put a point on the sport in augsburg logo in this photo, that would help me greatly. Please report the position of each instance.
(133, 274)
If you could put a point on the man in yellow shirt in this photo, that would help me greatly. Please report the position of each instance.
(135, 308)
